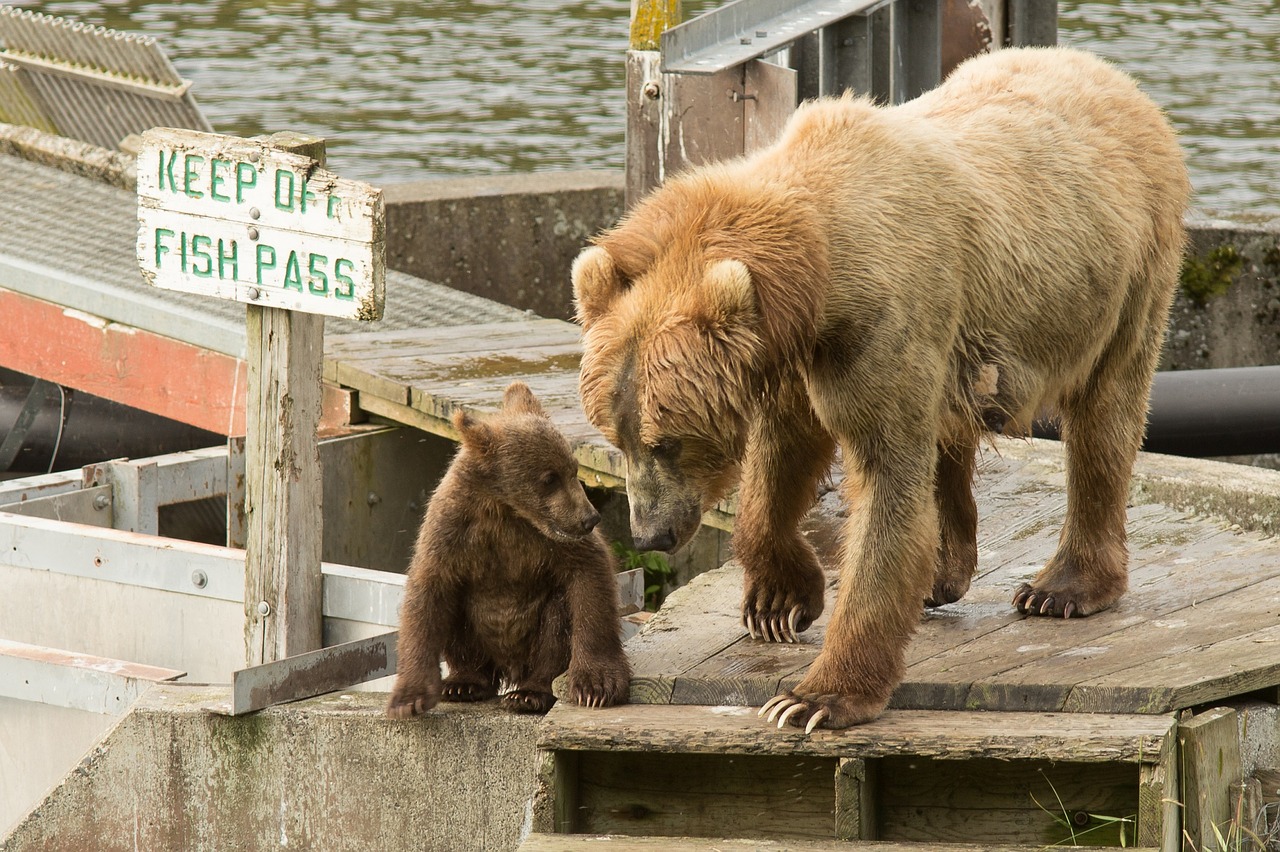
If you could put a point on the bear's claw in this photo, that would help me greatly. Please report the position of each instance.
(774, 629)
(1026, 598)
(782, 707)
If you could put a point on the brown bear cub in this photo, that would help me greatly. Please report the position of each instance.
(511, 583)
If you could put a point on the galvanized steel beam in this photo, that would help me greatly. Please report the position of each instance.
(748, 29)
(313, 673)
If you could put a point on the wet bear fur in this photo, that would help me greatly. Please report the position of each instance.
(901, 282)
(511, 583)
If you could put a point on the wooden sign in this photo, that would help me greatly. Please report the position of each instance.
(238, 219)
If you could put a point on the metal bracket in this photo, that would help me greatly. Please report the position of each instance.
(310, 674)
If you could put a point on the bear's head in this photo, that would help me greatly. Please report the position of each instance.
(667, 377)
(520, 458)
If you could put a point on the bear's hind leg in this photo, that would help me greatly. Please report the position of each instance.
(548, 657)
(472, 674)
(1102, 428)
(957, 523)
(783, 585)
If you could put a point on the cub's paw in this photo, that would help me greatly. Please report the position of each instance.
(409, 703)
(602, 687)
(820, 711)
(528, 701)
(467, 689)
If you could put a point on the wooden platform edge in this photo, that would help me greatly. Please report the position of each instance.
(946, 734)
(544, 842)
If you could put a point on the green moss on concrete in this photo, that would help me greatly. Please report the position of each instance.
(1211, 275)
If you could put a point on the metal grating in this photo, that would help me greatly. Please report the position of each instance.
(88, 83)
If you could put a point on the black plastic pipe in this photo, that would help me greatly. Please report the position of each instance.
(1204, 413)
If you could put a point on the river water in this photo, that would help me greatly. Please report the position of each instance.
(409, 90)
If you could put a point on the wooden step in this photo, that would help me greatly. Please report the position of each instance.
(912, 776)
(622, 843)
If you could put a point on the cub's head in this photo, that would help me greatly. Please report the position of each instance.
(526, 463)
(670, 349)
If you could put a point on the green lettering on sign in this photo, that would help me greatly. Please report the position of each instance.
(292, 273)
(226, 258)
(191, 174)
(167, 172)
(161, 248)
(319, 282)
(266, 259)
(216, 180)
(285, 203)
(246, 176)
(200, 245)
(349, 293)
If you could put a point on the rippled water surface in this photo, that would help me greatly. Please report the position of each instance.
(411, 90)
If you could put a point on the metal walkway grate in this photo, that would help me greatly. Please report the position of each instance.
(88, 83)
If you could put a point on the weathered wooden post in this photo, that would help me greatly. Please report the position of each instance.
(649, 20)
(259, 221)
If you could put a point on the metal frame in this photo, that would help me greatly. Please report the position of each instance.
(62, 523)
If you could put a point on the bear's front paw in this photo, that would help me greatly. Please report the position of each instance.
(528, 701)
(599, 687)
(820, 711)
(406, 704)
(780, 615)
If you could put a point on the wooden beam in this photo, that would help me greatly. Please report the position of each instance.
(1210, 744)
(138, 368)
(283, 505)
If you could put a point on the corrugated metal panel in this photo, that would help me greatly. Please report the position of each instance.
(89, 83)
(16, 106)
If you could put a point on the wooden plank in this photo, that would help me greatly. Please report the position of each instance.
(540, 842)
(430, 342)
(856, 799)
(644, 121)
(948, 735)
(1159, 811)
(283, 505)
(1029, 662)
(705, 795)
(1210, 765)
(1023, 801)
(705, 614)
(177, 380)
(1228, 668)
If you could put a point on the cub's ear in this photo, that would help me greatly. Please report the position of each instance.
(518, 399)
(475, 433)
(727, 294)
(596, 282)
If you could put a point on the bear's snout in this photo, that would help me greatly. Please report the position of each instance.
(588, 522)
(661, 540)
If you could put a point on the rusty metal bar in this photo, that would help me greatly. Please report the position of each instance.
(313, 673)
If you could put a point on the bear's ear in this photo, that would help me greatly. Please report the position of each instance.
(475, 433)
(518, 399)
(597, 281)
(728, 293)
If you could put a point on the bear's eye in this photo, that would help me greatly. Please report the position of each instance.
(668, 447)
(550, 479)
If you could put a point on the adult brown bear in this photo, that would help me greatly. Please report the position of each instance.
(900, 281)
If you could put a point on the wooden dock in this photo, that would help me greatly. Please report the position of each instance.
(1009, 732)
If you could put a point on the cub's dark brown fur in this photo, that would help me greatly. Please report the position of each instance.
(510, 583)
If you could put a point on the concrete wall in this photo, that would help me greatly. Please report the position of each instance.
(510, 238)
(1227, 313)
(331, 773)
(513, 238)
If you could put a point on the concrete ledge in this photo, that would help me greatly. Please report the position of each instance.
(331, 773)
(509, 238)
